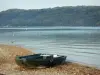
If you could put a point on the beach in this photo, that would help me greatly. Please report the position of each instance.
(8, 65)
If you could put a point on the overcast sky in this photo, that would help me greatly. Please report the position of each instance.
(38, 4)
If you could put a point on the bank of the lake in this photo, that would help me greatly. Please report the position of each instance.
(9, 67)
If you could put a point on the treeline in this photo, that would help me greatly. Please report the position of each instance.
(58, 16)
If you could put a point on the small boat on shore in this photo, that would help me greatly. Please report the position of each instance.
(36, 60)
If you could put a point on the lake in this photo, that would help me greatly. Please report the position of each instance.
(79, 44)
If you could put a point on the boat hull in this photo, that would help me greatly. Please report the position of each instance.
(38, 60)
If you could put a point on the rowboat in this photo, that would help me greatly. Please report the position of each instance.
(35, 60)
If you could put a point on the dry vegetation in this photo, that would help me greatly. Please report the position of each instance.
(9, 67)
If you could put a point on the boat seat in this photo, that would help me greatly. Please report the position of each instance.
(55, 56)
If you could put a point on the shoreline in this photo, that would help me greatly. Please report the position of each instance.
(9, 67)
(85, 64)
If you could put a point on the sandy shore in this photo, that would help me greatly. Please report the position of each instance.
(9, 67)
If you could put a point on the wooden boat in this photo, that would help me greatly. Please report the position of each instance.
(47, 60)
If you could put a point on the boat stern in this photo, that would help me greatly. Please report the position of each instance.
(19, 61)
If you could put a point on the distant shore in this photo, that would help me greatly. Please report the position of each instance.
(9, 67)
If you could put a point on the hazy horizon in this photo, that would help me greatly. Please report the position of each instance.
(46, 8)
(37, 4)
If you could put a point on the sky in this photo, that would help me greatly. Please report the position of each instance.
(39, 4)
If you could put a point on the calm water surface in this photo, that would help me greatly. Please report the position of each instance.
(80, 44)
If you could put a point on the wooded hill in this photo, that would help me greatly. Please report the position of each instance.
(58, 16)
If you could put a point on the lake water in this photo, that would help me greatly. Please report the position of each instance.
(79, 44)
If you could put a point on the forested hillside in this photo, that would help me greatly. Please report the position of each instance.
(58, 16)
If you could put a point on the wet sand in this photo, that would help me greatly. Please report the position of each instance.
(8, 65)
